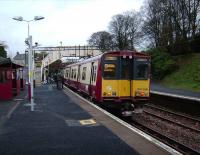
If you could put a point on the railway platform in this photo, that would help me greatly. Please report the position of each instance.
(157, 88)
(64, 124)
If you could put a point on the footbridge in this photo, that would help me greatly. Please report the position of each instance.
(70, 53)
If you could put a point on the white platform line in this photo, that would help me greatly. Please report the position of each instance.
(148, 137)
(12, 110)
(175, 95)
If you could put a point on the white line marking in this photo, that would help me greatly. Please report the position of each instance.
(177, 96)
(18, 99)
(148, 137)
(12, 110)
(28, 104)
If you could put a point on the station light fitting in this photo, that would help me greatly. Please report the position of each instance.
(38, 18)
(19, 18)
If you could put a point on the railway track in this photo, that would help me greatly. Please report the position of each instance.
(165, 139)
(182, 120)
(168, 140)
(180, 147)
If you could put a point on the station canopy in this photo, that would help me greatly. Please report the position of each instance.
(6, 62)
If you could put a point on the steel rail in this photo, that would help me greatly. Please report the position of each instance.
(165, 139)
(170, 121)
(172, 112)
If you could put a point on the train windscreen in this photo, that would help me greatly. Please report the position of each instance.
(110, 67)
(109, 71)
(141, 68)
(125, 68)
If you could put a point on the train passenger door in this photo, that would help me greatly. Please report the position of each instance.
(91, 78)
(78, 77)
(125, 76)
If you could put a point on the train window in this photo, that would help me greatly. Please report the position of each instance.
(109, 71)
(66, 73)
(78, 76)
(141, 70)
(84, 73)
(74, 73)
(95, 73)
(92, 73)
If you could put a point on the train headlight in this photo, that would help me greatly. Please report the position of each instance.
(109, 93)
(142, 93)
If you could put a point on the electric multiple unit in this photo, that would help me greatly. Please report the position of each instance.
(120, 79)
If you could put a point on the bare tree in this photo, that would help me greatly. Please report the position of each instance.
(134, 28)
(102, 39)
(170, 22)
(125, 29)
(116, 29)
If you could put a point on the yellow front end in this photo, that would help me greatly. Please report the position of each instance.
(140, 88)
(121, 88)
(115, 88)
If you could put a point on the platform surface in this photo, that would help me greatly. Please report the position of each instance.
(57, 126)
(62, 124)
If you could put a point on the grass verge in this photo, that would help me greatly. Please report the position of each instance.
(187, 76)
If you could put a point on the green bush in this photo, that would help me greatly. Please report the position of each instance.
(161, 63)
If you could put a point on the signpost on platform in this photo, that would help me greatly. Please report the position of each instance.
(30, 60)
(31, 72)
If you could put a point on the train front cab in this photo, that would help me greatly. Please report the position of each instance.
(125, 79)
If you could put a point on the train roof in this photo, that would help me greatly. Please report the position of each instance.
(121, 53)
(87, 60)
(128, 52)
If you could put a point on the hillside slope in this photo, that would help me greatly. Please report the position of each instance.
(187, 76)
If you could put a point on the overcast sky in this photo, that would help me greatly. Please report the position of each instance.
(69, 21)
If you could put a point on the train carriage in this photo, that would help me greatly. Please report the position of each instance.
(119, 78)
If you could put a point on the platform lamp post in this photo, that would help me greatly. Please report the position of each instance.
(30, 58)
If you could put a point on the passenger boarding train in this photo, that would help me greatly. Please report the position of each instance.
(117, 78)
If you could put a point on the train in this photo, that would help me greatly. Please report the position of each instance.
(120, 79)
